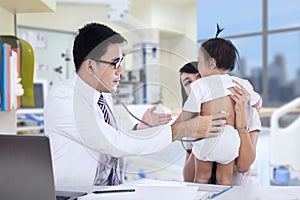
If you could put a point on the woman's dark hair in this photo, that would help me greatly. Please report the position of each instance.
(223, 51)
(92, 42)
(191, 68)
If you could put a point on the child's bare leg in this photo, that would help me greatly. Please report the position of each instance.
(224, 173)
(202, 171)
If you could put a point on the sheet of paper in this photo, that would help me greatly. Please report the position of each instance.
(201, 187)
(152, 182)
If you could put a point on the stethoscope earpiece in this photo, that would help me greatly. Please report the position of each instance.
(91, 68)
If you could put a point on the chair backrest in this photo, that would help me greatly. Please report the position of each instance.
(27, 72)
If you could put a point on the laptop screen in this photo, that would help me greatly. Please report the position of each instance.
(26, 168)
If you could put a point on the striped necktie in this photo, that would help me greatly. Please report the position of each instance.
(107, 173)
(102, 104)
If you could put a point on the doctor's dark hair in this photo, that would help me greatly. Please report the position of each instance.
(92, 42)
(223, 51)
(190, 68)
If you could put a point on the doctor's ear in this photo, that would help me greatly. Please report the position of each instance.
(91, 69)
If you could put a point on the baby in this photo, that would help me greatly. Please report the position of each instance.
(210, 95)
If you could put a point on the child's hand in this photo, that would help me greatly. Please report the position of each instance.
(258, 105)
(154, 119)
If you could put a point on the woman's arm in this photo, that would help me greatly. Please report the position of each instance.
(247, 152)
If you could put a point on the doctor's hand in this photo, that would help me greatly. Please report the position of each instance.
(200, 126)
(154, 119)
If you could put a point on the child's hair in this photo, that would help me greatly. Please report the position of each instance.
(223, 51)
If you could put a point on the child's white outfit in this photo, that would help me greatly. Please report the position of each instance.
(225, 147)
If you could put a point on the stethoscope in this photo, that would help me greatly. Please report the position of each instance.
(117, 97)
(131, 114)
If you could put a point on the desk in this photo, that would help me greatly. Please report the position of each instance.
(153, 189)
(261, 193)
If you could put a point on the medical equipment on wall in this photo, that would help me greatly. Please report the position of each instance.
(284, 147)
(146, 58)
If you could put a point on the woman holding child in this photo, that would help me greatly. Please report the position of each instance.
(225, 159)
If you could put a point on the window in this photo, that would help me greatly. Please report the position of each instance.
(211, 12)
(250, 63)
(283, 67)
(267, 35)
(283, 14)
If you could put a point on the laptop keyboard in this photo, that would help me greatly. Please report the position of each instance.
(68, 195)
(62, 198)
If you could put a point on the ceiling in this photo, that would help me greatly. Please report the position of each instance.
(178, 2)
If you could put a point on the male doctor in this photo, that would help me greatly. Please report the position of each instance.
(87, 145)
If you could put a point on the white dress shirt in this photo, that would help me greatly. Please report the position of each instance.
(213, 87)
(78, 133)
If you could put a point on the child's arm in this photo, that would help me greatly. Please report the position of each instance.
(258, 105)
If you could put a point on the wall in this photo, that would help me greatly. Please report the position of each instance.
(177, 34)
(181, 50)
(48, 54)
(177, 41)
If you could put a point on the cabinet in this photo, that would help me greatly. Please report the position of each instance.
(131, 86)
(130, 92)
(30, 121)
(21, 6)
(8, 119)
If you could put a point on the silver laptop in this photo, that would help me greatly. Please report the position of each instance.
(26, 168)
